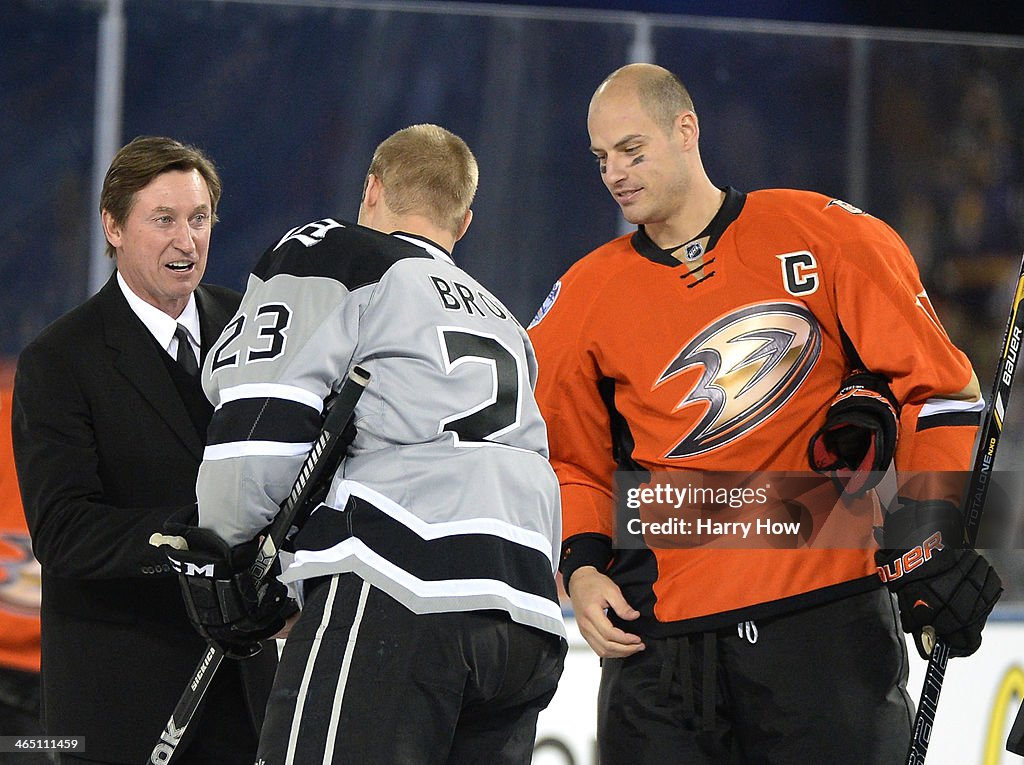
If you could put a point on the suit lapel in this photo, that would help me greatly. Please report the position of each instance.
(136, 357)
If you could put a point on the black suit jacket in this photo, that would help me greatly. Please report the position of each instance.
(105, 451)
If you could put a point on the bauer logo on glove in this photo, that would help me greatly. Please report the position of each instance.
(938, 583)
(857, 442)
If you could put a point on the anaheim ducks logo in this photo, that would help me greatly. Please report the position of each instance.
(752, 362)
(20, 589)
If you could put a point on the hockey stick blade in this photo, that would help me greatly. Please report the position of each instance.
(320, 464)
(974, 503)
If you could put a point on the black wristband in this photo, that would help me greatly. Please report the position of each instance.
(914, 520)
(584, 550)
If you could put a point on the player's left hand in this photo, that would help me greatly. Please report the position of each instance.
(286, 630)
(856, 444)
(937, 584)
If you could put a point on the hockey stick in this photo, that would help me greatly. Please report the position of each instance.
(977, 489)
(319, 465)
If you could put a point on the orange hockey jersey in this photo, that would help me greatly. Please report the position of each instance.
(20, 592)
(723, 355)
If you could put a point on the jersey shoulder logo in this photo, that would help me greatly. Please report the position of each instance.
(310, 234)
(546, 305)
(751, 362)
(845, 206)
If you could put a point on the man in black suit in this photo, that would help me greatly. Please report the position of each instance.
(109, 422)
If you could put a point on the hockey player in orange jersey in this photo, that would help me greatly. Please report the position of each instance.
(715, 338)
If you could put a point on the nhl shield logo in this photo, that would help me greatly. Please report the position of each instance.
(692, 251)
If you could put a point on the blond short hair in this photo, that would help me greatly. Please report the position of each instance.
(427, 170)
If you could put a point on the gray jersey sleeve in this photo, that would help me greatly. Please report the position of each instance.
(268, 375)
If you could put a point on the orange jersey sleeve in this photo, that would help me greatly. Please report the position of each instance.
(568, 391)
(896, 332)
(884, 308)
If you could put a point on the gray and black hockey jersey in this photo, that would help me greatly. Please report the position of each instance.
(446, 499)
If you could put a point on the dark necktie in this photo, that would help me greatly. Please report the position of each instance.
(186, 358)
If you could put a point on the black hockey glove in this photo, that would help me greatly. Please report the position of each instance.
(937, 582)
(223, 602)
(857, 442)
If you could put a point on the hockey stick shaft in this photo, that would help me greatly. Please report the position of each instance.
(319, 465)
(974, 504)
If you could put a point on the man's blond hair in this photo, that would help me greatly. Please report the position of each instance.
(429, 171)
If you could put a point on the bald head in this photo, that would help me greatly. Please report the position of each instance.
(659, 92)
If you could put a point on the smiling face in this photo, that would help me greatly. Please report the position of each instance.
(643, 163)
(163, 244)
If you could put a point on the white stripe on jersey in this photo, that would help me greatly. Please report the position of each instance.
(339, 494)
(400, 584)
(934, 406)
(270, 390)
(256, 449)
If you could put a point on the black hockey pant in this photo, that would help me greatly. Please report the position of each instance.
(823, 685)
(367, 681)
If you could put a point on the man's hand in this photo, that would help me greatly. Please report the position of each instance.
(592, 594)
(286, 630)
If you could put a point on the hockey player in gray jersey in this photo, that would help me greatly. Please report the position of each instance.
(430, 629)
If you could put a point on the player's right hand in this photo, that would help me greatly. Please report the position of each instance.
(592, 595)
(225, 604)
